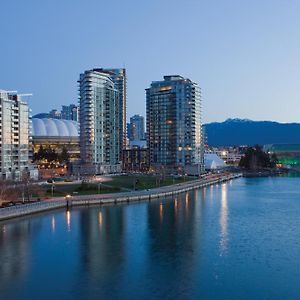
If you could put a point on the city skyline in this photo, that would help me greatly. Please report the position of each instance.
(244, 55)
(149, 149)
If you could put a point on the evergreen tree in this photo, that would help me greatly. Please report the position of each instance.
(255, 158)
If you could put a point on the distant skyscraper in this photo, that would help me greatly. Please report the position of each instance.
(15, 141)
(55, 114)
(119, 79)
(174, 133)
(136, 128)
(100, 115)
(70, 112)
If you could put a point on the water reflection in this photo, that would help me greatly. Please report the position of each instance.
(68, 218)
(100, 219)
(175, 248)
(186, 201)
(101, 240)
(224, 220)
(211, 193)
(53, 224)
(161, 211)
(15, 249)
(174, 241)
(175, 207)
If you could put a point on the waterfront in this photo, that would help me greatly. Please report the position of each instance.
(235, 240)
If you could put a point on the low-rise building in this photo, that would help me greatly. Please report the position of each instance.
(58, 136)
(288, 155)
(231, 155)
(135, 159)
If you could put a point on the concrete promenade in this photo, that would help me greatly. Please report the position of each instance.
(151, 194)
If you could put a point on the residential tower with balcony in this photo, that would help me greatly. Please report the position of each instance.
(174, 130)
(100, 123)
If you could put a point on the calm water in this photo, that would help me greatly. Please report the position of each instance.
(239, 240)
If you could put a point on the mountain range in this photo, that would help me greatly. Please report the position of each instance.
(235, 132)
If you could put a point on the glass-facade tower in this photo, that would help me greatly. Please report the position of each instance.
(136, 128)
(100, 115)
(69, 112)
(119, 78)
(174, 131)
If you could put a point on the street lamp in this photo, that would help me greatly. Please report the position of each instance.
(99, 188)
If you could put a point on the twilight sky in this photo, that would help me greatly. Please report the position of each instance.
(245, 54)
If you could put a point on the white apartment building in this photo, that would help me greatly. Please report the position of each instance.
(100, 123)
(15, 138)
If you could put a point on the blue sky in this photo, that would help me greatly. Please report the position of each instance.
(244, 54)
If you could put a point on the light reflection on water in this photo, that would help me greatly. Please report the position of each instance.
(53, 224)
(214, 243)
(100, 219)
(224, 220)
(68, 218)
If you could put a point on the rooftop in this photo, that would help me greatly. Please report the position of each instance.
(48, 127)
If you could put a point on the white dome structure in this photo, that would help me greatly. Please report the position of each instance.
(212, 161)
(56, 134)
(54, 128)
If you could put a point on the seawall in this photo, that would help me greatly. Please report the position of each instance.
(151, 194)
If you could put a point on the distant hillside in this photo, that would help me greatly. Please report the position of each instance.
(247, 132)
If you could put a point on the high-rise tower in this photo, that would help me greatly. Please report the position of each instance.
(136, 128)
(100, 118)
(174, 132)
(119, 78)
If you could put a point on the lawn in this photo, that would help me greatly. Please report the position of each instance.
(142, 182)
(80, 189)
(117, 184)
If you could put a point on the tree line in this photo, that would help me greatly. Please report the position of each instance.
(255, 158)
(50, 155)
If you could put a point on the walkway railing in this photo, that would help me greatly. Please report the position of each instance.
(26, 209)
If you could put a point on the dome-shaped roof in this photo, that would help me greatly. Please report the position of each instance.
(54, 127)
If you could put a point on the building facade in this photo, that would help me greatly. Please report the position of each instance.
(54, 114)
(136, 128)
(70, 112)
(54, 135)
(174, 130)
(135, 159)
(288, 155)
(100, 114)
(15, 139)
(119, 78)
